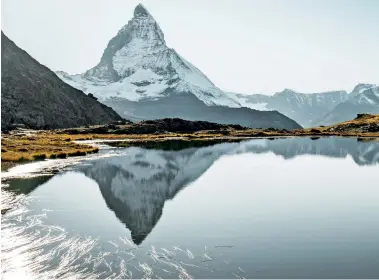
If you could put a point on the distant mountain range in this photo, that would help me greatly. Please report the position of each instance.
(363, 99)
(142, 78)
(34, 96)
(315, 109)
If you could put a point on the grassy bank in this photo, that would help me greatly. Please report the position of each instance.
(20, 147)
(48, 144)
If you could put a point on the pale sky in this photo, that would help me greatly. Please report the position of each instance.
(246, 46)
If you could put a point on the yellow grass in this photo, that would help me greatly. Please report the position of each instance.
(41, 146)
(364, 120)
(351, 127)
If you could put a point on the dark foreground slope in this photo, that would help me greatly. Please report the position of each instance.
(33, 95)
(188, 107)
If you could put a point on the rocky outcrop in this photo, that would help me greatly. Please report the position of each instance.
(153, 126)
(34, 96)
(363, 123)
(179, 125)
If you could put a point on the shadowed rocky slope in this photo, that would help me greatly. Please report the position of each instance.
(33, 95)
(188, 107)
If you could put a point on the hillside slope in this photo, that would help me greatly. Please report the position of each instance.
(188, 107)
(362, 123)
(33, 95)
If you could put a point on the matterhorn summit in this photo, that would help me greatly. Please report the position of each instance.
(142, 78)
(137, 64)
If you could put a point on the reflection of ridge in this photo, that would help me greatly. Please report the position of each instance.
(136, 185)
(22, 186)
(363, 153)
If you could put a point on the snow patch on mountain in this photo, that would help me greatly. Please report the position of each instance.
(360, 88)
(254, 101)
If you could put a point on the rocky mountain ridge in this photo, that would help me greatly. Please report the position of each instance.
(363, 99)
(312, 109)
(32, 95)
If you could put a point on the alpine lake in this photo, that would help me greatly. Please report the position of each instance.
(264, 208)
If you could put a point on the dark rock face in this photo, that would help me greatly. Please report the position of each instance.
(360, 116)
(140, 11)
(33, 95)
(179, 125)
(187, 106)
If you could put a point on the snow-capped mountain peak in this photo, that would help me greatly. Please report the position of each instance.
(361, 88)
(141, 11)
(365, 94)
(363, 99)
(138, 65)
(287, 91)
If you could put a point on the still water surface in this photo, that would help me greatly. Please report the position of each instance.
(284, 208)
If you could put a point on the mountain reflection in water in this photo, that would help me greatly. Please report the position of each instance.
(135, 186)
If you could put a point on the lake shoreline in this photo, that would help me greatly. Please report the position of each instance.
(159, 142)
(23, 145)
